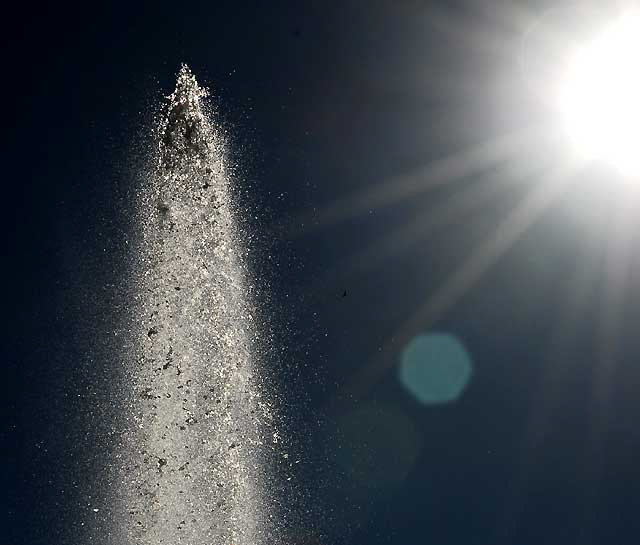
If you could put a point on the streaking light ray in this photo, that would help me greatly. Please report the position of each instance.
(549, 393)
(432, 176)
(620, 253)
(424, 224)
(466, 275)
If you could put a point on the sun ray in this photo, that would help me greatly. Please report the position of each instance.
(549, 389)
(422, 225)
(432, 176)
(463, 278)
(512, 16)
(617, 272)
(469, 31)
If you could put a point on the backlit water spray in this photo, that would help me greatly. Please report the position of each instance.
(193, 467)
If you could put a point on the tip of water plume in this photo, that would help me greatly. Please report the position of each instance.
(184, 130)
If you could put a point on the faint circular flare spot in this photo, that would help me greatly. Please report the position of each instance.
(435, 368)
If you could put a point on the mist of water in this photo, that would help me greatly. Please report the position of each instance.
(193, 465)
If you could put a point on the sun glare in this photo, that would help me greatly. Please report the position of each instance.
(600, 97)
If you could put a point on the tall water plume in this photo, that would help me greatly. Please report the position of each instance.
(193, 464)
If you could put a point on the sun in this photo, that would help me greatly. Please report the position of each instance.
(599, 97)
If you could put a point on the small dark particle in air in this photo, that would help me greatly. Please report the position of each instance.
(344, 293)
(177, 288)
(153, 331)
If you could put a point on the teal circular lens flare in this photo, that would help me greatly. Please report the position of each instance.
(435, 368)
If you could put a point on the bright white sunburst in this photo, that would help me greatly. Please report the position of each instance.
(600, 97)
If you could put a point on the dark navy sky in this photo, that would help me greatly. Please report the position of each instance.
(328, 101)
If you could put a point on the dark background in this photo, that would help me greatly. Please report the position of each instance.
(326, 101)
